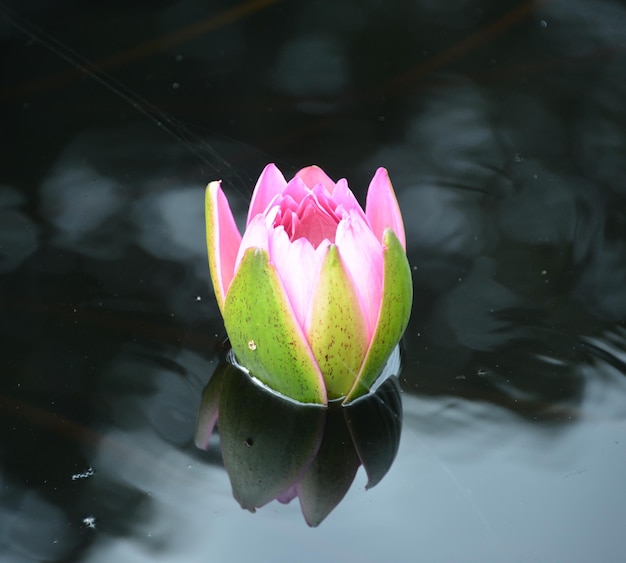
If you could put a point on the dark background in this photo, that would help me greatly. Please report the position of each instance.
(503, 127)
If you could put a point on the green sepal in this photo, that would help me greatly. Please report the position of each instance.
(264, 333)
(393, 318)
(338, 334)
(211, 218)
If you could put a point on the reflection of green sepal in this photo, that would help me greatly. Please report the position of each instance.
(264, 334)
(330, 475)
(394, 314)
(337, 335)
(375, 425)
(267, 441)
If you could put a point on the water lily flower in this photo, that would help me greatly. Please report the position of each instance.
(317, 292)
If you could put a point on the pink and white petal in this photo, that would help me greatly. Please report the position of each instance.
(297, 264)
(271, 182)
(255, 237)
(362, 255)
(343, 196)
(272, 212)
(296, 190)
(321, 198)
(313, 175)
(382, 209)
(223, 240)
(321, 251)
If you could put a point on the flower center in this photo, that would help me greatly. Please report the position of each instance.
(313, 217)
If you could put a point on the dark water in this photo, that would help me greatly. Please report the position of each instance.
(503, 127)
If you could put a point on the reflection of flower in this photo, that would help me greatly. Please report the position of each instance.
(317, 293)
(274, 448)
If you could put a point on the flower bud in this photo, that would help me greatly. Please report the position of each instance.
(317, 292)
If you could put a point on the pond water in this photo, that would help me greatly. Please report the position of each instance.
(502, 125)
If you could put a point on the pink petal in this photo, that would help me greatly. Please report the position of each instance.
(313, 175)
(297, 190)
(314, 224)
(271, 182)
(254, 237)
(209, 409)
(362, 254)
(224, 239)
(381, 207)
(287, 496)
(344, 198)
(297, 264)
(325, 201)
(307, 213)
(346, 202)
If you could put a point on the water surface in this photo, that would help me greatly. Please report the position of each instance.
(502, 129)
